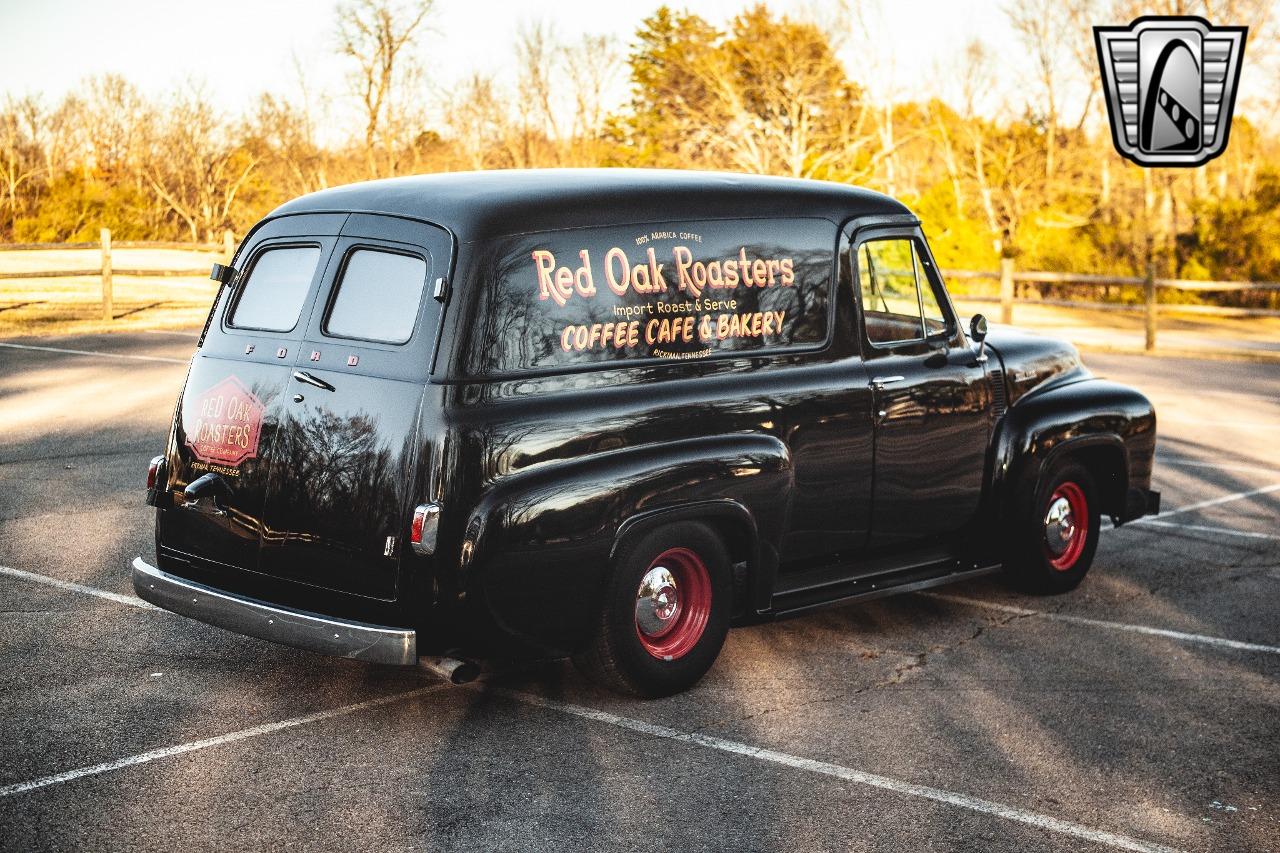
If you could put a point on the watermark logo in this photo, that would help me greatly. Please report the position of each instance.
(1170, 87)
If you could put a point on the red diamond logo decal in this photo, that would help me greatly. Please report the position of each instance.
(222, 425)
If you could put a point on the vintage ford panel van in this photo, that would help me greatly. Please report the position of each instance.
(607, 414)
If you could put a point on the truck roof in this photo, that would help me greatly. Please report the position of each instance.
(474, 205)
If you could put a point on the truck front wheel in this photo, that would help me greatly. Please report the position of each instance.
(1053, 547)
(665, 614)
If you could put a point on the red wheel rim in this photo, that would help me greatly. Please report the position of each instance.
(1066, 526)
(673, 604)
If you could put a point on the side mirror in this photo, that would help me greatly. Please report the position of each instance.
(224, 274)
(978, 331)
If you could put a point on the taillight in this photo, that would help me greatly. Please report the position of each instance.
(425, 528)
(153, 471)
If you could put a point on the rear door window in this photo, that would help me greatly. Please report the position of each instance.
(378, 297)
(272, 296)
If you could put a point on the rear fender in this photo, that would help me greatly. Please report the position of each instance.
(540, 543)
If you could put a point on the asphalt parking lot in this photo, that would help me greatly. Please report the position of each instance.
(1141, 712)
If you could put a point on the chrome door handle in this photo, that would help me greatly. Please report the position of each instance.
(881, 381)
(303, 376)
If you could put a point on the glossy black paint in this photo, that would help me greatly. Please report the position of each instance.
(541, 474)
(932, 427)
(308, 518)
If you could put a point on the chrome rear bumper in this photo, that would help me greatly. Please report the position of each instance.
(311, 631)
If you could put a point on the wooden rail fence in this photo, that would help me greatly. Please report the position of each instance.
(105, 269)
(1151, 307)
(1007, 276)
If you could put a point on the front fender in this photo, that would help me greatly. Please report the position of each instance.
(541, 541)
(1110, 425)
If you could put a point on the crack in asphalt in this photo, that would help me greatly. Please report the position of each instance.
(917, 662)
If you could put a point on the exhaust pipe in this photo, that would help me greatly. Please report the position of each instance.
(450, 669)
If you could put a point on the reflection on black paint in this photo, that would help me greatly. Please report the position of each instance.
(333, 464)
(328, 526)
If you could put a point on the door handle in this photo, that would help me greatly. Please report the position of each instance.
(879, 382)
(303, 376)
(209, 486)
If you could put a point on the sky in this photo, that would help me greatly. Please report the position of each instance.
(236, 49)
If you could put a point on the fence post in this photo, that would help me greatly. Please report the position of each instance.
(1149, 296)
(107, 310)
(228, 246)
(1006, 290)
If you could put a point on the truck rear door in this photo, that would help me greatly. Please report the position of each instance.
(338, 500)
(233, 401)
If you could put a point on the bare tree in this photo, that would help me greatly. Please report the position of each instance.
(536, 54)
(116, 115)
(285, 137)
(1038, 24)
(479, 120)
(375, 34)
(192, 169)
(591, 68)
(20, 156)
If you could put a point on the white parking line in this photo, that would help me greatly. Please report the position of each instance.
(1229, 422)
(965, 801)
(1252, 493)
(1180, 636)
(92, 352)
(1221, 466)
(847, 774)
(69, 586)
(825, 768)
(1175, 398)
(232, 737)
(1222, 531)
(1159, 521)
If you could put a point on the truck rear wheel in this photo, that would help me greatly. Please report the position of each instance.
(1053, 547)
(665, 613)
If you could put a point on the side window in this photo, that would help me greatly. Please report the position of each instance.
(935, 322)
(378, 297)
(271, 298)
(681, 290)
(898, 300)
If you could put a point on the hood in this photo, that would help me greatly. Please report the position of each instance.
(1033, 362)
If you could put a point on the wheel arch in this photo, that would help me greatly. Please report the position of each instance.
(1106, 459)
(1095, 422)
(732, 522)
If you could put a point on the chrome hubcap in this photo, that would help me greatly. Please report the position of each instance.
(657, 602)
(1059, 526)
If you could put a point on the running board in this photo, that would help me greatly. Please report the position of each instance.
(873, 588)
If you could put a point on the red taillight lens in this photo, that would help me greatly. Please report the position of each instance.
(153, 471)
(425, 529)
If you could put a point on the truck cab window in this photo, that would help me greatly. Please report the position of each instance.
(897, 300)
(378, 297)
(272, 296)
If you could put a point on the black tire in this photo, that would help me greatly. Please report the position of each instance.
(1035, 565)
(617, 657)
